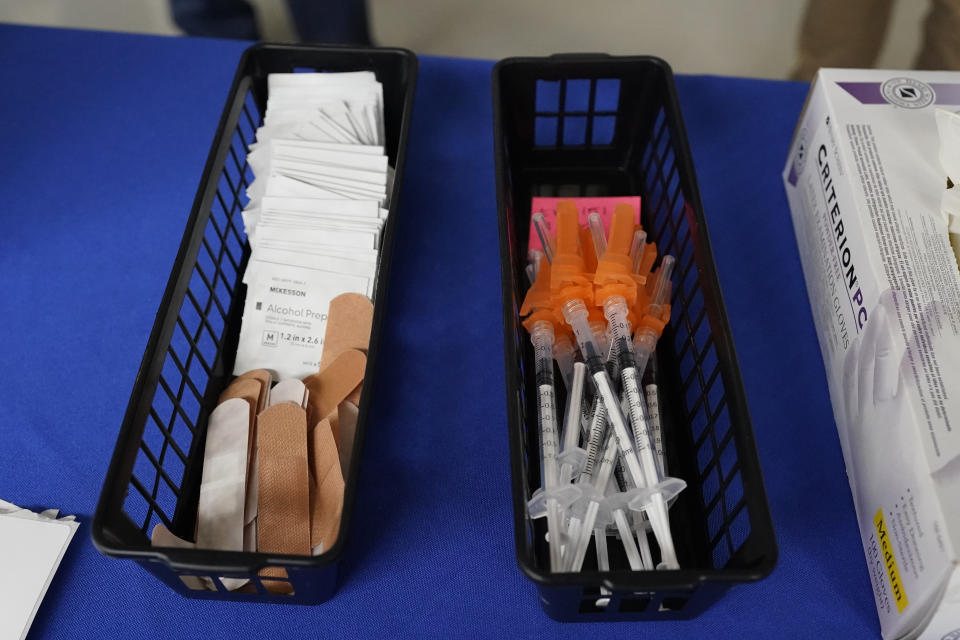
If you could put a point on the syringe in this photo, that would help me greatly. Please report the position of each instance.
(627, 490)
(616, 310)
(613, 289)
(641, 261)
(541, 335)
(572, 456)
(595, 427)
(641, 525)
(551, 498)
(644, 342)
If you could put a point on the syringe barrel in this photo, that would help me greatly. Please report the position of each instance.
(598, 428)
(641, 428)
(656, 428)
(541, 335)
(615, 309)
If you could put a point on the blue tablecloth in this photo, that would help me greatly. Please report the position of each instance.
(103, 141)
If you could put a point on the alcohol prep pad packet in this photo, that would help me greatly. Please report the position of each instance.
(285, 318)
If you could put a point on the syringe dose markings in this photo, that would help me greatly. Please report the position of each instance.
(548, 421)
(619, 428)
(596, 434)
(641, 433)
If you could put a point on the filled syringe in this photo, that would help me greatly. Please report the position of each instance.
(615, 290)
(541, 335)
(653, 314)
(642, 263)
(552, 498)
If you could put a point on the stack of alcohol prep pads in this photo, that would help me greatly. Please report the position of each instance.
(317, 208)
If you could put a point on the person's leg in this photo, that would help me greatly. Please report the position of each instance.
(331, 21)
(841, 33)
(941, 37)
(215, 18)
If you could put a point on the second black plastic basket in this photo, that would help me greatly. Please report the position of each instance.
(154, 475)
(595, 125)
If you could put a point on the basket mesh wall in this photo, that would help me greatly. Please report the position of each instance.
(196, 347)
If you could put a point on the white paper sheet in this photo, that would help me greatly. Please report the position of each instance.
(31, 548)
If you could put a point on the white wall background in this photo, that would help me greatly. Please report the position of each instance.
(728, 37)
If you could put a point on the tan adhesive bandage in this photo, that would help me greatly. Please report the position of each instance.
(349, 322)
(326, 488)
(283, 503)
(265, 379)
(284, 506)
(336, 381)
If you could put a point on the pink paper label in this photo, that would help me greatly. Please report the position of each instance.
(586, 206)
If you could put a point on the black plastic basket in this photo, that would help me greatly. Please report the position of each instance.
(594, 125)
(154, 475)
